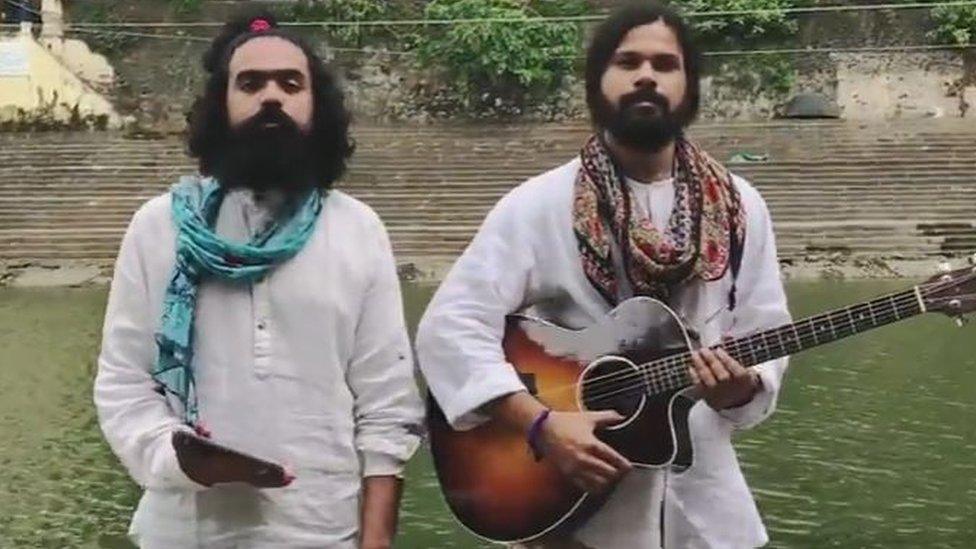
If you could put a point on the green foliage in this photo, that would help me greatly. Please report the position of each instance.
(350, 10)
(491, 62)
(955, 24)
(768, 21)
(768, 25)
(50, 116)
(103, 40)
(561, 8)
(752, 75)
(186, 7)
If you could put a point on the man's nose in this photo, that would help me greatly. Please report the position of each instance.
(646, 76)
(272, 93)
(271, 103)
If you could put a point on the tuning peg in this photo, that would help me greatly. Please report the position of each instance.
(945, 267)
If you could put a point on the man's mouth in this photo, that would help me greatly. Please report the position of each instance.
(646, 105)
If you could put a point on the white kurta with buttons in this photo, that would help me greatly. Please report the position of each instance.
(525, 258)
(310, 367)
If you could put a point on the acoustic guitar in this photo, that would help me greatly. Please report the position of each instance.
(634, 361)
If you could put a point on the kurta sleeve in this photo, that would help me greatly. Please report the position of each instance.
(388, 408)
(761, 306)
(459, 341)
(137, 421)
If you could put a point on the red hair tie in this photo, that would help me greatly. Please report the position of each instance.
(260, 25)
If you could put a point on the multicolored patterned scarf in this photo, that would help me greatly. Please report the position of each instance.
(200, 252)
(705, 232)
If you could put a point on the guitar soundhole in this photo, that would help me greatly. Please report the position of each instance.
(612, 384)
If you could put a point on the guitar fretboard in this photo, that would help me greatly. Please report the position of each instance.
(671, 373)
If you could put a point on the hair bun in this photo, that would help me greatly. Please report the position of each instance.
(248, 23)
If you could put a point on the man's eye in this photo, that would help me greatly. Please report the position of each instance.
(250, 85)
(292, 85)
(666, 64)
(628, 63)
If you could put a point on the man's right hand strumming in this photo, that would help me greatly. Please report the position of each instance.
(208, 463)
(567, 440)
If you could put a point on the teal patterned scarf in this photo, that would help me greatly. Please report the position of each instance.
(199, 253)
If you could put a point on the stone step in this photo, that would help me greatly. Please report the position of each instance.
(98, 233)
(515, 149)
(544, 139)
(957, 210)
(124, 186)
(421, 206)
(486, 190)
(533, 163)
(394, 216)
(905, 188)
(809, 199)
(107, 254)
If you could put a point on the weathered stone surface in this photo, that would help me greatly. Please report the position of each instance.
(37, 277)
(903, 85)
(811, 105)
(839, 192)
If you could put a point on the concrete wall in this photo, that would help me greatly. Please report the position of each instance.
(33, 78)
(907, 85)
(15, 72)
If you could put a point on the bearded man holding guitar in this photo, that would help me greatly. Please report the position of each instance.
(644, 212)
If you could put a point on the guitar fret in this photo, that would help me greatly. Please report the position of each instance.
(765, 350)
(865, 314)
(754, 349)
(813, 331)
(771, 346)
(894, 307)
(844, 323)
(782, 344)
(850, 318)
(752, 353)
(796, 335)
(824, 328)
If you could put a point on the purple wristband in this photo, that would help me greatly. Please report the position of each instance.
(533, 436)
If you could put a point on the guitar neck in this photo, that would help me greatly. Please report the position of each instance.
(824, 328)
(797, 336)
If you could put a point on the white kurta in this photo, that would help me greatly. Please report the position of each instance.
(310, 367)
(525, 258)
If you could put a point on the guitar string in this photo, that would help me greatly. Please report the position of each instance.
(614, 378)
(670, 375)
(905, 297)
(738, 347)
(667, 375)
(674, 369)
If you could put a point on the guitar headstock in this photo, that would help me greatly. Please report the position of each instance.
(953, 292)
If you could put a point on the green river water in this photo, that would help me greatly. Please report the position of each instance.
(873, 445)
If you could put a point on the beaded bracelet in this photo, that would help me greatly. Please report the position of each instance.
(534, 430)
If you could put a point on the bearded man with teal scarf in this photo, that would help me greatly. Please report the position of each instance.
(256, 308)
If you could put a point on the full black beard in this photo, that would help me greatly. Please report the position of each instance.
(640, 128)
(264, 158)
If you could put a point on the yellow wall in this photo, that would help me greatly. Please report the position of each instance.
(47, 82)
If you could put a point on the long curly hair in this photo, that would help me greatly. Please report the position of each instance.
(209, 128)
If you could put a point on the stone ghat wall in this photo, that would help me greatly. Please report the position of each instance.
(158, 78)
(845, 197)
